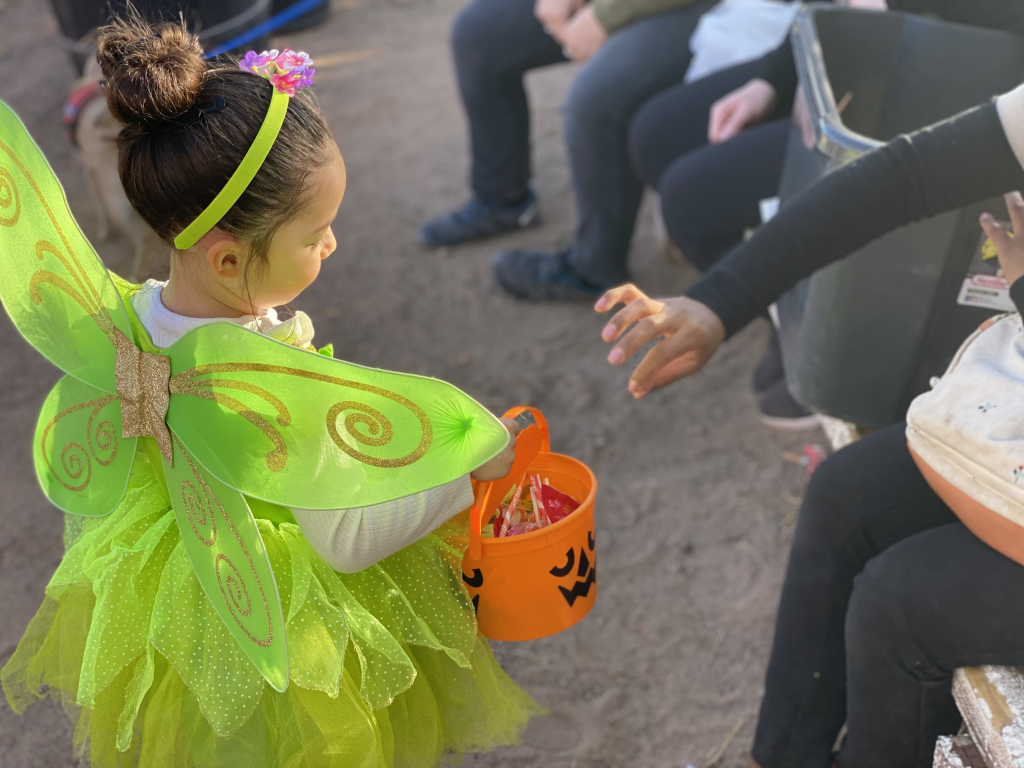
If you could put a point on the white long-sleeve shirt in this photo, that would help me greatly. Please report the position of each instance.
(349, 540)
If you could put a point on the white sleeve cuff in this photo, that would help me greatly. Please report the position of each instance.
(350, 540)
(1010, 107)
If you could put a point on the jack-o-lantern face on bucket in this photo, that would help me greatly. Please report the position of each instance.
(586, 573)
(475, 582)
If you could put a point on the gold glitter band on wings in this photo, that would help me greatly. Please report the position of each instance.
(141, 382)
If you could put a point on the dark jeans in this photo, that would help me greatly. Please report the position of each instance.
(495, 42)
(709, 192)
(885, 596)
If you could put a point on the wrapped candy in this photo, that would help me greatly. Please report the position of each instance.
(557, 505)
(523, 513)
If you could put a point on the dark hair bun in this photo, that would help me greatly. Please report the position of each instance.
(153, 72)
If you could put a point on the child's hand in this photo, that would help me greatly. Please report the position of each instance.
(691, 331)
(1009, 248)
(500, 465)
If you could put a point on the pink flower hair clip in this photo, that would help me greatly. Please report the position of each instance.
(286, 70)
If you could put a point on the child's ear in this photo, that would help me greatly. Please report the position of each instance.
(224, 257)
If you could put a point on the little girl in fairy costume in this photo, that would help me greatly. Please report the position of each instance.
(385, 666)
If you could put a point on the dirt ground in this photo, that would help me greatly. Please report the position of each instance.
(696, 505)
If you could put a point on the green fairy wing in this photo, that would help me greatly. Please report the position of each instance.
(61, 299)
(305, 430)
(228, 557)
(81, 459)
(52, 283)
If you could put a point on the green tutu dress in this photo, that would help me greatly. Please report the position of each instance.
(386, 665)
(198, 628)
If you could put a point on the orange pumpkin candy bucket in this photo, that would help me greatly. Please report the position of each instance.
(534, 584)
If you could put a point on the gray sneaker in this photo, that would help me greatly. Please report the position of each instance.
(541, 276)
(477, 220)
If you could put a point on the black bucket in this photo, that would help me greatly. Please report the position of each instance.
(862, 337)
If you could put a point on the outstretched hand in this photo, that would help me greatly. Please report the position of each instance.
(692, 333)
(1009, 248)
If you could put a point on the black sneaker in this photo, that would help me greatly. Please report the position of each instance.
(477, 220)
(540, 276)
(781, 412)
(770, 369)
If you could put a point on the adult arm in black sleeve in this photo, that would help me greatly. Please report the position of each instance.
(940, 168)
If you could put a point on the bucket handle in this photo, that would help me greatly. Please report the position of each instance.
(531, 441)
(545, 436)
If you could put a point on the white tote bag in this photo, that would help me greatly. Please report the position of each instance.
(738, 31)
(967, 435)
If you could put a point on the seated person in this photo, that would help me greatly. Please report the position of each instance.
(715, 148)
(886, 591)
(631, 49)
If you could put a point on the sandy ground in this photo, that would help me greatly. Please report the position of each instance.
(696, 506)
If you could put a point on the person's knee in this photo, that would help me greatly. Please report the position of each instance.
(873, 605)
(829, 511)
(645, 132)
(875, 617)
(684, 209)
(468, 37)
(844, 478)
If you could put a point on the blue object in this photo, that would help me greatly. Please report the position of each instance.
(274, 22)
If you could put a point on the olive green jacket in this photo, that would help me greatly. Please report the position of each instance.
(614, 14)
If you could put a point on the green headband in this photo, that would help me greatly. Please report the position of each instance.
(242, 176)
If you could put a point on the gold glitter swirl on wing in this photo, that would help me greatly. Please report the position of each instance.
(233, 586)
(43, 276)
(74, 458)
(8, 199)
(278, 457)
(87, 295)
(378, 432)
(104, 437)
(88, 302)
(197, 510)
(199, 503)
(376, 423)
(284, 417)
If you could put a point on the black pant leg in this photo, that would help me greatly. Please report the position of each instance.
(711, 196)
(860, 502)
(936, 601)
(637, 61)
(494, 43)
(675, 121)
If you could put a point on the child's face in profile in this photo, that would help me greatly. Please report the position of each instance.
(298, 247)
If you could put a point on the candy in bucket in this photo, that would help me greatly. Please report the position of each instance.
(522, 512)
